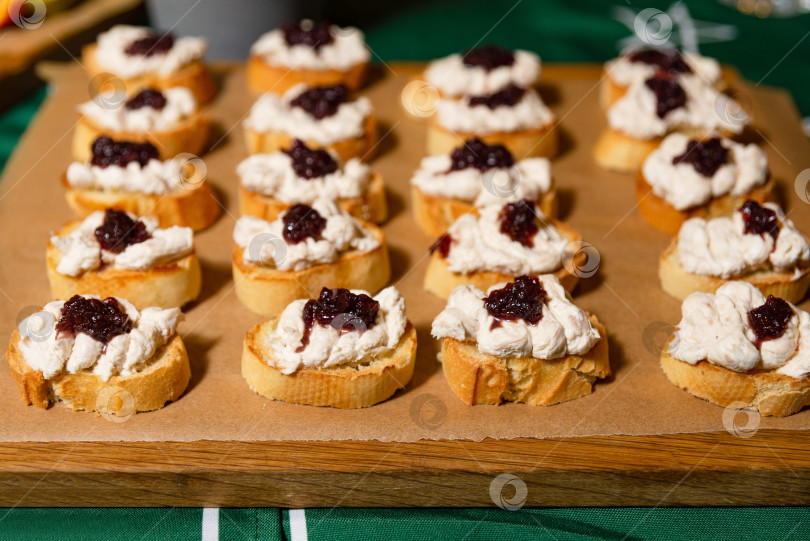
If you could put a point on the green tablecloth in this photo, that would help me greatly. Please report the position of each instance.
(773, 51)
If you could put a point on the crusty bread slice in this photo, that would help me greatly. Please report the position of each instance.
(190, 135)
(441, 281)
(761, 390)
(371, 207)
(663, 216)
(361, 147)
(529, 143)
(168, 285)
(195, 207)
(477, 378)
(267, 291)
(164, 379)
(356, 385)
(680, 283)
(194, 76)
(263, 77)
(434, 214)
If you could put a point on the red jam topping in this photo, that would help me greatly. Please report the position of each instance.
(442, 245)
(150, 45)
(101, 320)
(341, 309)
(705, 156)
(519, 222)
(475, 153)
(120, 231)
(770, 320)
(309, 163)
(668, 94)
(148, 97)
(669, 61)
(307, 33)
(301, 222)
(107, 152)
(322, 101)
(759, 220)
(508, 97)
(488, 57)
(521, 299)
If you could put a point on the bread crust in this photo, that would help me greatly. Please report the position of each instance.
(371, 207)
(195, 207)
(343, 386)
(528, 143)
(619, 152)
(264, 77)
(680, 283)
(168, 285)
(194, 76)
(441, 281)
(164, 380)
(268, 291)
(478, 378)
(664, 217)
(361, 147)
(190, 135)
(765, 391)
(434, 214)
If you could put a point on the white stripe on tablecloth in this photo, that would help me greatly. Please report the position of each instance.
(210, 524)
(298, 525)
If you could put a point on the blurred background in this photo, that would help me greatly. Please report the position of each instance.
(767, 40)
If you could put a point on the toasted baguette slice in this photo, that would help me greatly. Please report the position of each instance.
(680, 283)
(441, 281)
(195, 207)
(434, 214)
(190, 135)
(263, 77)
(194, 76)
(530, 143)
(765, 391)
(357, 385)
(268, 291)
(361, 147)
(169, 285)
(619, 152)
(477, 378)
(163, 380)
(371, 207)
(664, 217)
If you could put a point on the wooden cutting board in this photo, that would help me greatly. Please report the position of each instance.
(770, 466)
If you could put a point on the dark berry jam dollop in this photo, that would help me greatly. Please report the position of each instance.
(519, 222)
(150, 45)
(508, 97)
(322, 101)
(148, 97)
(101, 320)
(770, 320)
(120, 231)
(341, 309)
(107, 152)
(759, 220)
(668, 61)
(521, 299)
(442, 245)
(668, 94)
(307, 33)
(705, 156)
(309, 163)
(488, 57)
(301, 222)
(475, 153)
